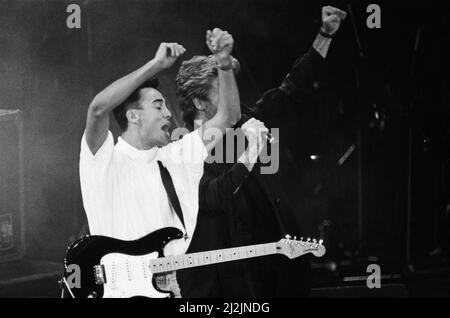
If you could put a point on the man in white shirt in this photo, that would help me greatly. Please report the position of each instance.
(123, 194)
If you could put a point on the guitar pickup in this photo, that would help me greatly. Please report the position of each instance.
(99, 274)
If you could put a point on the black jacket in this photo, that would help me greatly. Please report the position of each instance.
(238, 207)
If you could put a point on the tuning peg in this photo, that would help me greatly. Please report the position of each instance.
(309, 239)
(288, 236)
(301, 239)
(314, 241)
(320, 241)
(295, 237)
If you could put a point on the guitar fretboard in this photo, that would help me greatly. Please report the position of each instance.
(173, 263)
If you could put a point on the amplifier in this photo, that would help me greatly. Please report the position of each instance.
(12, 226)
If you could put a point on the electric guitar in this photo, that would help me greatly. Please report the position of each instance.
(103, 267)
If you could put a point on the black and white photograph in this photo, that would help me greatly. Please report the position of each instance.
(235, 150)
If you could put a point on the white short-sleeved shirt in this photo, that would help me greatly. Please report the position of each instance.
(123, 194)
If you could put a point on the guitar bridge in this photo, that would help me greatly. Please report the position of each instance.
(99, 275)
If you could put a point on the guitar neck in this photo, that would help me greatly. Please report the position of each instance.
(173, 263)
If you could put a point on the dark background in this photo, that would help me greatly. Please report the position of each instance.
(397, 91)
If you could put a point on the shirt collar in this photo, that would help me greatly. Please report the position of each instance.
(134, 153)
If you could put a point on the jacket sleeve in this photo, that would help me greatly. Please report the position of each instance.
(218, 187)
(294, 89)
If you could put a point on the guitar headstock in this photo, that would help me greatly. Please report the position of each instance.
(293, 248)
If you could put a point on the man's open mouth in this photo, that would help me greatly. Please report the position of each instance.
(166, 127)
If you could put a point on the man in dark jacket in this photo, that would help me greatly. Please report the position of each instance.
(239, 203)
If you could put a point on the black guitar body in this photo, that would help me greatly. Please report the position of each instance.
(88, 251)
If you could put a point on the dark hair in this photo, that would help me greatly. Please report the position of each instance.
(194, 80)
(132, 102)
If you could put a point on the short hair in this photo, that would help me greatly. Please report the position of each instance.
(194, 80)
(132, 102)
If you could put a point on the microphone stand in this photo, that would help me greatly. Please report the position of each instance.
(409, 267)
(358, 94)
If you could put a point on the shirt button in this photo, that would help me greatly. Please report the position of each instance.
(245, 176)
(277, 200)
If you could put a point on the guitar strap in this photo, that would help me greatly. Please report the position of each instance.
(172, 194)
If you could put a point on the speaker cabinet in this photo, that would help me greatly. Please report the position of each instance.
(12, 231)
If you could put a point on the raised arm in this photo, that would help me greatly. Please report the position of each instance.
(305, 68)
(97, 123)
(331, 20)
(228, 109)
(297, 85)
(217, 190)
